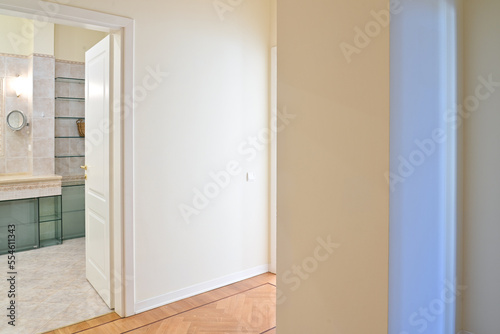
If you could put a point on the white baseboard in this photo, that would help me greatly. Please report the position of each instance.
(194, 290)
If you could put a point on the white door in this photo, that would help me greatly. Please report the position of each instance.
(97, 161)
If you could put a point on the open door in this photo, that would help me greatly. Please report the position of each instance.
(98, 102)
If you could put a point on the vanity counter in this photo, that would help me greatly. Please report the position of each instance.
(19, 186)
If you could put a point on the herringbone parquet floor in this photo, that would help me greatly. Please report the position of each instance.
(245, 307)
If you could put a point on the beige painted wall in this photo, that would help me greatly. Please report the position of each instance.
(331, 163)
(16, 35)
(71, 43)
(274, 22)
(43, 42)
(214, 99)
(482, 165)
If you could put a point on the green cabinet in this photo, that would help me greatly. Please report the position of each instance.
(73, 200)
(37, 221)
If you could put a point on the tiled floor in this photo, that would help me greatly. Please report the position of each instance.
(52, 291)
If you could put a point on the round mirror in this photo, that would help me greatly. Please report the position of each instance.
(16, 120)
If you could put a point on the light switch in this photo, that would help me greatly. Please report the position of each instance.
(250, 177)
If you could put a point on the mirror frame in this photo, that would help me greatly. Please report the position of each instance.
(25, 120)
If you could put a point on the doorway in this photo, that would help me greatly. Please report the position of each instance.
(121, 210)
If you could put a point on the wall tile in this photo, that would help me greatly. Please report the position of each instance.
(43, 88)
(2, 66)
(63, 69)
(62, 89)
(66, 127)
(16, 145)
(77, 109)
(62, 147)
(77, 146)
(74, 166)
(61, 131)
(62, 108)
(17, 165)
(77, 71)
(62, 167)
(16, 103)
(43, 166)
(43, 107)
(76, 90)
(17, 66)
(43, 127)
(43, 68)
(43, 148)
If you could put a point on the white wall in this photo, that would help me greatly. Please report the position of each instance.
(331, 163)
(482, 166)
(71, 43)
(214, 97)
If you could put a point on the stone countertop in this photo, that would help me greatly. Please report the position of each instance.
(21, 186)
(68, 181)
(24, 178)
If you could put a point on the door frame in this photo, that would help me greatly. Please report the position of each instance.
(122, 211)
(274, 158)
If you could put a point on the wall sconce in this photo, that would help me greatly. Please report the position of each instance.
(18, 85)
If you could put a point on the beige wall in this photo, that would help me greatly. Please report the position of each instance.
(43, 42)
(481, 168)
(16, 35)
(274, 22)
(331, 164)
(214, 99)
(71, 43)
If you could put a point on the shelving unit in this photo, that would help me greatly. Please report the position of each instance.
(38, 222)
(50, 220)
(70, 156)
(69, 144)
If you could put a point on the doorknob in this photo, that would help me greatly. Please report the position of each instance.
(84, 167)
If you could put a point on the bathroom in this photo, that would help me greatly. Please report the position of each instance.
(42, 187)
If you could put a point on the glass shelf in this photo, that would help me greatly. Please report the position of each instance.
(70, 137)
(50, 242)
(64, 98)
(69, 156)
(70, 80)
(50, 218)
(68, 117)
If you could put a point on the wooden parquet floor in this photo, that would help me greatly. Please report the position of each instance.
(244, 307)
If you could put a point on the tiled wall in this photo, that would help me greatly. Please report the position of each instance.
(43, 115)
(74, 146)
(15, 156)
(33, 149)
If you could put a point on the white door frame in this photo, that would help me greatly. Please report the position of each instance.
(122, 137)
